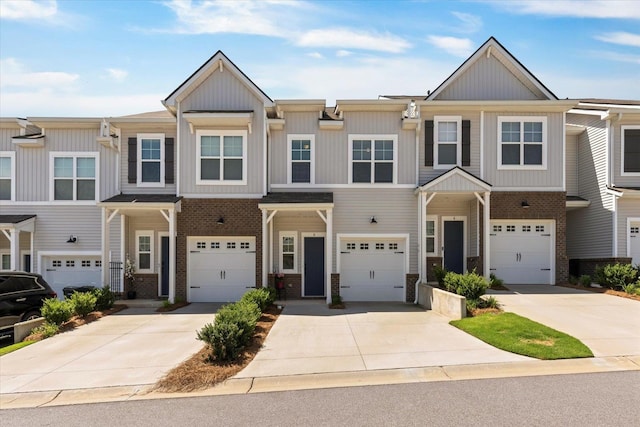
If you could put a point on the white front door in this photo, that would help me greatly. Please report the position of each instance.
(522, 251)
(634, 242)
(372, 269)
(62, 271)
(220, 269)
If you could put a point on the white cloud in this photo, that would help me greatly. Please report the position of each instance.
(354, 39)
(28, 9)
(454, 45)
(15, 74)
(117, 74)
(623, 9)
(316, 55)
(343, 53)
(619, 57)
(627, 39)
(471, 23)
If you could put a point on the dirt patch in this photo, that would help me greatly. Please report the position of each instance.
(200, 372)
(602, 291)
(479, 311)
(547, 343)
(171, 307)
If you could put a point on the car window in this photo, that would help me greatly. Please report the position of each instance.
(9, 284)
(30, 283)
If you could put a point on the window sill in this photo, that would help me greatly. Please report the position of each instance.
(220, 182)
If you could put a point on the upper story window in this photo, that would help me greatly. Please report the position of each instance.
(150, 160)
(372, 159)
(630, 150)
(222, 157)
(7, 175)
(448, 141)
(301, 150)
(73, 176)
(522, 142)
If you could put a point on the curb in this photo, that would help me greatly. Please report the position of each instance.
(329, 380)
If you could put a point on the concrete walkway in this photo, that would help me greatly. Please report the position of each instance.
(136, 346)
(607, 324)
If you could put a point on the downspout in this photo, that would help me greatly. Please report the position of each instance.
(420, 260)
(178, 138)
(265, 156)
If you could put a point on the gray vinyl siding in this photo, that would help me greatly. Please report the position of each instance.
(445, 206)
(618, 179)
(332, 146)
(590, 229)
(487, 79)
(32, 164)
(132, 132)
(223, 91)
(5, 138)
(627, 208)
(551, 177)
(299, 222)
(426, 173)
(572, 165)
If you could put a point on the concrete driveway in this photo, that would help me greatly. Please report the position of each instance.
(136, 346)
(309, 338)
(607, 324)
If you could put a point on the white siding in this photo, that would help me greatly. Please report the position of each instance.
(572, 165)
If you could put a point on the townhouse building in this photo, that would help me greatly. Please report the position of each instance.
(226, 187)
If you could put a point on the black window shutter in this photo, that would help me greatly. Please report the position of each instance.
(168, 161)
(466, 143)
(428, 142)
(133, 160)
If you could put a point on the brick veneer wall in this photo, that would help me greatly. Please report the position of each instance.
(146, 286)
(542, 205)
(411, 287)
(199, 217)
(431, 262)
(335, 284)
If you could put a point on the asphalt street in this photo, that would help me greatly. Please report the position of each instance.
(606, 399)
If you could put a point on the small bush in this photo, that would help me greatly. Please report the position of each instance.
(83, 303)
(244, 314)
(490, 302)
(262, 297)
(223, 338)
(474, 304)
(616, 275)
(46, 330)
(104, 298)
(469, 285)
(631, 288)
(440, 274)
(585, 280)
(494, 281)
(336, 299)
(573, 280)
(56, 311)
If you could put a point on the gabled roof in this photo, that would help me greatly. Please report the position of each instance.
(523, 74)
(219, 59)
(455, 179)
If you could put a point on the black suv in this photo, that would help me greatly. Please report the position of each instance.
(21, 297)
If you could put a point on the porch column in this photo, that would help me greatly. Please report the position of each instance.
(329, 252)
(172, 255)
(265, 251)
(422, 217)
(14, 260)
(487, 230)
(123, 246)
(105, 247)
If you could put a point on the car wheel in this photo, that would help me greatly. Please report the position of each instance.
(30, 315)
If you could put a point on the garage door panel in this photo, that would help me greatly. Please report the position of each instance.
(62, 271)
(634, 242)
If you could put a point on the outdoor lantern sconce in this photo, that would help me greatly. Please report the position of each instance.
(373, 220)
(72, 239)
(525, 204)
(220, 220)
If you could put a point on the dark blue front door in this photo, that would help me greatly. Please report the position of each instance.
(454, 246)
(314, 266)
(164, 273)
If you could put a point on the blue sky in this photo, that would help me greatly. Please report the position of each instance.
(107, 58)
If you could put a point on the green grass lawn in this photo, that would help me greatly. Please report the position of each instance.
(516, 334)
(14, 347)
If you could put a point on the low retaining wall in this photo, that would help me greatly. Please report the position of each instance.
(442, 302)
(21, 330)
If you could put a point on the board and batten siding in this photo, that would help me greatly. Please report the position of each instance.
(590, 229)
(572, 165)
(627, 208)
(127, 132)
(427, 173)
(618, 179)
(487, 79)
(222, 91)
(551, 177)
(299, 222)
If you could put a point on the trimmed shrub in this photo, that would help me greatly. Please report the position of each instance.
(336, 299)
(440, 274)
(494, 281)
(223, 339)
(469, 285)
(83, 303)
(46, 330)
(262, 297)
(585, 280)
(104, 298)
(56, 311)
(616, 275)
(244, 314)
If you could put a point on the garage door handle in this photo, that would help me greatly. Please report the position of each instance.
(374, 274)
(51, 269)
(345, 286)
(398, 287)
(194, 287)
(545, 269)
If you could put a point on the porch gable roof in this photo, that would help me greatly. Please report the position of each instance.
(455, 180)
(18, 222)
(300, 200)
(142, 201)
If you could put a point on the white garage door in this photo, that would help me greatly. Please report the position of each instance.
(221, 269)
(522, 251)
(61, 271)
(372, 269)
(634, 242)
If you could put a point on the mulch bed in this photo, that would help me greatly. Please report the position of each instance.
(200, 372)
(602, 291)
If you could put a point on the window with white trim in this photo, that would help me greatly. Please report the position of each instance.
(372, 159)
(431, 234)
(5, 261)
(150, 160)
(522, 142)
(447, 140)
(630, 150)
(288, 251)
(74, 176)
(301, 159)
(221, 157)
(144, 251)
(7, 175)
